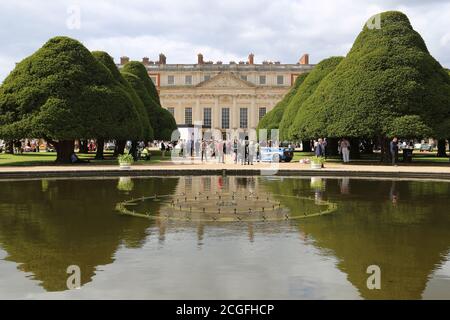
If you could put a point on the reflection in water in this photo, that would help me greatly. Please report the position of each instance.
(47, 225)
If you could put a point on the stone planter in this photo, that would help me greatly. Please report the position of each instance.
(316, 165)
(125, 166)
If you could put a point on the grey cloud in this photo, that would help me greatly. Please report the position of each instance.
(275, 30)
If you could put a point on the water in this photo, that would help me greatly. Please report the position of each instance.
(401, 226)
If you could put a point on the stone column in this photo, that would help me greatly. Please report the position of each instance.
(253, 114)
(234, 114)
(215, 117)
(197, 114)
(179, 113)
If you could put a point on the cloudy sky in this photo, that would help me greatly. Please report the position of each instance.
(279, 30)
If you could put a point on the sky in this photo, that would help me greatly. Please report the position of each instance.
(226, 30)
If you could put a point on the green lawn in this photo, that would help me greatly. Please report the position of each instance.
(48, 158)
(419, 158)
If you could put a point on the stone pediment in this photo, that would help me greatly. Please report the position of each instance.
(225, 80)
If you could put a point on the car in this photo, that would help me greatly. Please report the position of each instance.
(276, 154)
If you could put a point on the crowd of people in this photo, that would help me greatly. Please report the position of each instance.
(242, 151)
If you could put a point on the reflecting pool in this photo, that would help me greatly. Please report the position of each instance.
(230, 237)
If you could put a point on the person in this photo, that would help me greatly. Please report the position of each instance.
(220, 153)
(258, 152)
(74, 159)
(191, 146)
(393, 148)
(197, 148)
(235, 151)
(163, 149)
(203, 146)
(251, 152)
(225, 147)
(319, 148)
(182, 148)
(345, 150)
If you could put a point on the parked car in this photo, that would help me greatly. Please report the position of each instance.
(274, 154)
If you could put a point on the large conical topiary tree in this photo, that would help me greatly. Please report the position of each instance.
(62, 93)
(272, 118)
(161, 119)
(388, 74)
(108, 62)
(289, 123)
(144, 117)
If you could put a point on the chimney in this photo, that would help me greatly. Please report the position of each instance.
(162, 58)
(251, 58)
(124, 60)
(145, 61)
(304, 59)
(200, 59)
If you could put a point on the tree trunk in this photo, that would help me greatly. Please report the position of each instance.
(134, 149)
(100, 147)
(385, 150)
(332, 147)
(64, 149)
(354, 148)
(9, 147)
(120, 147)
(306, 146)
(84, 146)
(442, 144)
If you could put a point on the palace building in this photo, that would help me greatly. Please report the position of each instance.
(232, 96)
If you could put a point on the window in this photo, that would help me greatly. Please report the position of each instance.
(243, 123)
(243, 77)
(155, 82)
(188, 116)
(207, 117)
(225, 118)
(280, 80)
(170, 80)
(262, 79)
(188, 80)
(262, 113)
(172, 111)
(207, 77)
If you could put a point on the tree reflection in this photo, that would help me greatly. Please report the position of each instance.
(47, 225)
(407, 237)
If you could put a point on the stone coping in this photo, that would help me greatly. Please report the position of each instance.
(441, 172)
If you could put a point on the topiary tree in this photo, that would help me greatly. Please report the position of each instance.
(161, 120)
(61, 93)
(387, 74)
(289, 125)
(272, 119)
(144, 118)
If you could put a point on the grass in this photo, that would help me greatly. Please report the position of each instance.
(48, 159)
(419, 158)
